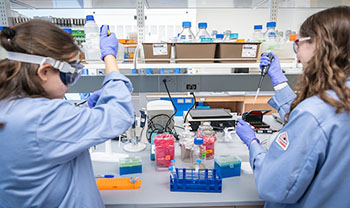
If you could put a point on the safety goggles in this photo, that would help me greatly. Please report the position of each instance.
(296, 43)
(69, 72)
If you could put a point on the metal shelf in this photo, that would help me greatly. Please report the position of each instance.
(189, 65)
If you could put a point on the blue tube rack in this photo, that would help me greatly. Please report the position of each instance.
(186, 180)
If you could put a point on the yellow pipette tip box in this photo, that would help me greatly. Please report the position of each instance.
(118, 183)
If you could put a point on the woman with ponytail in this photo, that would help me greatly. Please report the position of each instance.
(308, 163)
(44, 157)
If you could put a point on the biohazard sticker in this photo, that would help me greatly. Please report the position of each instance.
(283, 141)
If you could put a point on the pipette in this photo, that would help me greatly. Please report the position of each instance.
(264, 71)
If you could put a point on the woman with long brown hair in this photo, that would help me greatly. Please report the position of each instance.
(44, 140)
(308, 163)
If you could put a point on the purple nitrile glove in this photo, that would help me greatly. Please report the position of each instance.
(275, 71)
(108, 43)
(245, 132)
(92, 99)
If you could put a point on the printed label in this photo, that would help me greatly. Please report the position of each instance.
(153, 149)
(283, 141)
(160, 49)
(249, 50)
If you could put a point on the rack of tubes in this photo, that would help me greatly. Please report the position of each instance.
(188, 180)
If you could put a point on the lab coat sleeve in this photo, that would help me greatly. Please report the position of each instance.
(282, 100)
(283, 176)
(64, 131)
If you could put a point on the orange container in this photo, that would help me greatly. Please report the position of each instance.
(118, 183)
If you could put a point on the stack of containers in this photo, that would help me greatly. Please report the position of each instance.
(227, 166)
(130, 165)
(165, 150)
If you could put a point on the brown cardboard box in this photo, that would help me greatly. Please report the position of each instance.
(245, 52)
(195, 51)
(151, 52)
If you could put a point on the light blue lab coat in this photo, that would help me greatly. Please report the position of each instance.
(314, 170)
(44, 157)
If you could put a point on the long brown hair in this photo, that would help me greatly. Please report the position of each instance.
(38, 37)
(329, 67)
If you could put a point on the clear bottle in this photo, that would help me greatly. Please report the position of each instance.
(92, 37)
(213, 33)
(199, 152)
(186, 36)
(227, 34)
(270, 34)
(258, 36)
(219, 37)
(202, 35)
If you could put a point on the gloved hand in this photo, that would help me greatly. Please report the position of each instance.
(92, 99)
(108, 43)
(245, 132)
(275, 71)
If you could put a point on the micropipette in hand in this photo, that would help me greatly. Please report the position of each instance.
(264, 71)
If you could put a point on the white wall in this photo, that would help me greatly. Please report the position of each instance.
(242, 21)
(162, 24)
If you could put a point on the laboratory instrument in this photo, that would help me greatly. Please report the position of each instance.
(264, 71)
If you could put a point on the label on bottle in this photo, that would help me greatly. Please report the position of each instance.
(160, 49)
(249, 50)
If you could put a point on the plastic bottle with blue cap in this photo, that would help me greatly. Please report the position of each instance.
(186, 36)
(198, 153)
(270, 33)
(202, 35)
(92, 37)
(219, 37)
(257, 36)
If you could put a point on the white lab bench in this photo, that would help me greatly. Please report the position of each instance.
(155, 189)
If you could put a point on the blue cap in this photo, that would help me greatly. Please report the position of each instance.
(257, 27)
(90, 18)
(202, 25)
(233, 35)
(170, 168)
(148, 71)
(68, 30)
(172, 161)
(271, 24)
(198, 141)
(198, 161)
(219, 35)
(186, 24)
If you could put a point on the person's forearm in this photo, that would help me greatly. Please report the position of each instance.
(111, 64)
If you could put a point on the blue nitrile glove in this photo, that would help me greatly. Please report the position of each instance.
(108, 43)
(275, 71)
(245, 132)
(92, 99)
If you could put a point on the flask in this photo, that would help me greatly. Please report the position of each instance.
(203, 35)
(257, 34)
(92, 37)
(186, 36)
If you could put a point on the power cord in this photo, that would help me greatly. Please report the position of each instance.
(194, 104)
(172, 102)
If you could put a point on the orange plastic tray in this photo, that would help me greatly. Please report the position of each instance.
(118, 183)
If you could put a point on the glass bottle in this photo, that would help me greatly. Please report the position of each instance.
(186, 36)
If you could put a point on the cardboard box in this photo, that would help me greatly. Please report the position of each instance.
(195, 51)
(243, 52)
(157, 51)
